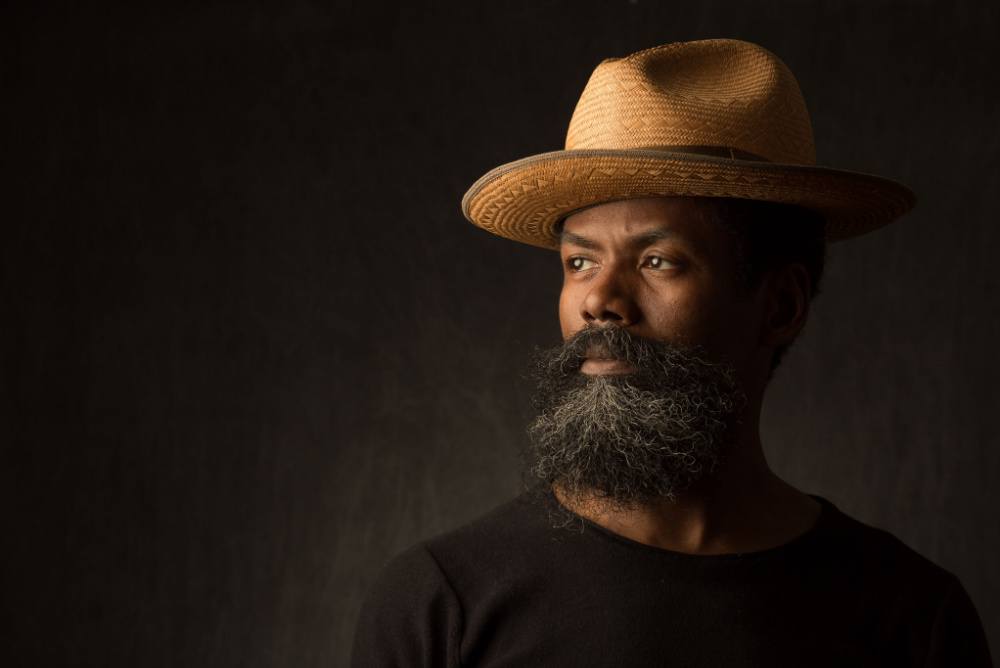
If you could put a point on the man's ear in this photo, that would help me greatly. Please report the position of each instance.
(786, 305)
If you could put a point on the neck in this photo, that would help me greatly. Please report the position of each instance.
(742, 507)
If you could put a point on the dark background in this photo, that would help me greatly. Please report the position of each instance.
(251, 349)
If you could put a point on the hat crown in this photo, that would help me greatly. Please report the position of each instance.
(721, 93)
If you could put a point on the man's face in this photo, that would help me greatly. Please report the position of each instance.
(662, 269)
(645, 392)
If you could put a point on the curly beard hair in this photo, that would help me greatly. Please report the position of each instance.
(626, 440)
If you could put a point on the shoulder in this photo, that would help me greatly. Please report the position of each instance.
(927, 601)
(408, 577)
(871, 550)
(414, 612)
(410, 615)
(513, 543)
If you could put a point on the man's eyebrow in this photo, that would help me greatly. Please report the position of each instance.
(636, 241)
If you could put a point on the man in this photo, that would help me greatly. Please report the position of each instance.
(691, 223)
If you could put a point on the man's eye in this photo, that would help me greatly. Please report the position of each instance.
(658, 262)
(577, 263)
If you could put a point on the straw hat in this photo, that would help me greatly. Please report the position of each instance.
(711, 118)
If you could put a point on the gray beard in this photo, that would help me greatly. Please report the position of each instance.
(632, 439)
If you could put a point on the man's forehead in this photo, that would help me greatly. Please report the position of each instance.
(652, 217)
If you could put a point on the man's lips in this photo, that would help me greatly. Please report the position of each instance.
(599, 362)
(598, 366)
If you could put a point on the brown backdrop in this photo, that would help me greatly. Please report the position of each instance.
(250, 348)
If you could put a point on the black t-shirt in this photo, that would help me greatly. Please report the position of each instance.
(511, 590)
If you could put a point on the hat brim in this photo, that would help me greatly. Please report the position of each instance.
(523, 200)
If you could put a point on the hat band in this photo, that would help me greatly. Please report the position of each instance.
(713, 151)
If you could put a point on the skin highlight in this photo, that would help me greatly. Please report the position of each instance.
(661, 269)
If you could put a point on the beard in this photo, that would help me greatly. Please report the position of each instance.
(629, 440)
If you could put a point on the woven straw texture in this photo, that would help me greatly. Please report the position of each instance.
(712, 118)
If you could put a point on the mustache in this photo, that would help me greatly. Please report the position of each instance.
(611, 341)
(652, 359)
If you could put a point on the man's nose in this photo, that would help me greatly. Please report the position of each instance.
(611, 299)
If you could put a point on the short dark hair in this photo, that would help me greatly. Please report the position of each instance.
(770, 235)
